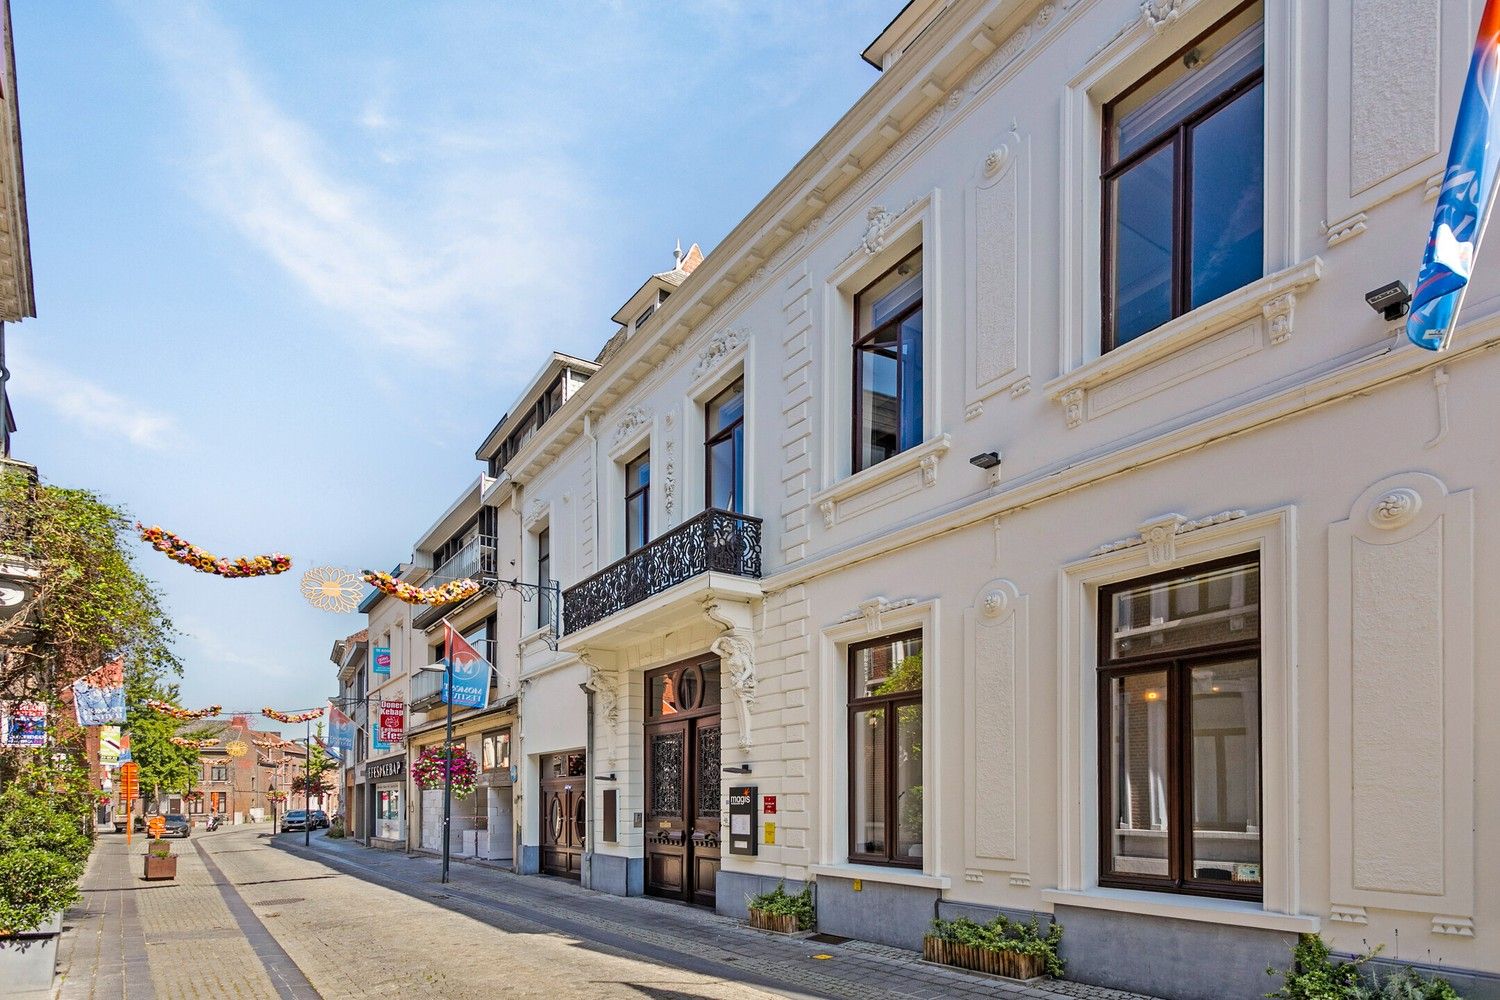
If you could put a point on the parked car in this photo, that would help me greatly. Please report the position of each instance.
(320, 820)
(297, 820)
(177, 826)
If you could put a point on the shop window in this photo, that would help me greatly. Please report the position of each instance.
(495, 750)
(885, 751)
(1179, 748)
(724, 448)
(1184, 181)
(888, 364)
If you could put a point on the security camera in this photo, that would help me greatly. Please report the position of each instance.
(1391, 300)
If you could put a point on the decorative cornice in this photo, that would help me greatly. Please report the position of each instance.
(1160, 535)
(1346, 229)
(1453, 926)
(534, 513)
(874, 611)
(1160, 14)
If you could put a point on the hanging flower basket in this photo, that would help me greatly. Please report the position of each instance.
(193, 796)
(168, 709)
(432, 764)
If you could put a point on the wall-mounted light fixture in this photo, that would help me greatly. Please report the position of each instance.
(989, 461)
(740, 769)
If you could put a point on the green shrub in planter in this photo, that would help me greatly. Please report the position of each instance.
(32, 821)
(34, 884)
(1001, 935)
(1316, 975)
(778, 903)
(336, 830)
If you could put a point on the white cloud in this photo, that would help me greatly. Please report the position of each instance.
(465, 260)
(91, 407)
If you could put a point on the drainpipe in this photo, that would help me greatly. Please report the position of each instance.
(588, 784)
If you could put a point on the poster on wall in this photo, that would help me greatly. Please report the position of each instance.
(380, 656)
(24, 724)
(392, 723)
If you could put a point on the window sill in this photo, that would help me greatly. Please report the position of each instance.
(1204, 909)
(1273, 297)
(858, 493)
(880, 873)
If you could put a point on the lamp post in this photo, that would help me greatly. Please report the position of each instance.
(447, 667)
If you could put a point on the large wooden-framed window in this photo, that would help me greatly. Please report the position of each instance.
(219, 772)
(638, 501)
(1184, 181)
(888, 364)
(885, 751)
(724, 449)
(1179, 731)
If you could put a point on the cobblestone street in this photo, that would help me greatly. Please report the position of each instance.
(246, 918)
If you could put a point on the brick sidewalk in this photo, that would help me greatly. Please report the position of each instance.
(676, 935)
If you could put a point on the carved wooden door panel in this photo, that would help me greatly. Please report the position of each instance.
(564, 803)
(666, 809)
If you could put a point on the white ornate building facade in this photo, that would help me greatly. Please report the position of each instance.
(1023, 501)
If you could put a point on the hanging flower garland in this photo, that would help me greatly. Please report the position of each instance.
(183, 741)
(431, 763)
(276, 795)
(291, 718)
(179, 549)
(448, 593)
(193, 796)
(184, 714)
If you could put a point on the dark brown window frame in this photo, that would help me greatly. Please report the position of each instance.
(889, 703)
(861, 338)
(643, 491)
(714, 438)
(1178, 668)
(1179, 137)
(544, 576)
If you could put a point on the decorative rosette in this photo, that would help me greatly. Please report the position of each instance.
(179, 549)
(433, 763)
(448, 593)
(183, 741)
(185, 714)
(291, 718)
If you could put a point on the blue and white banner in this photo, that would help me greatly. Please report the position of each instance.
(469, 670)
(99, 697)
(340, 732)
(1467, 196)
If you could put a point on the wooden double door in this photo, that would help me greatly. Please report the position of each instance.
(683, 781)
(564, 813)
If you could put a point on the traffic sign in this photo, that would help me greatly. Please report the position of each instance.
(130, 778)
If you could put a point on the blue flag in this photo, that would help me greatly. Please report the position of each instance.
(1467, 195)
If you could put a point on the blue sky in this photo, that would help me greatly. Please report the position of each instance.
(294, 260)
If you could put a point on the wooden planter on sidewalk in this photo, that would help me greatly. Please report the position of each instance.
(1008, 964)
(160, 869)
(785, 923)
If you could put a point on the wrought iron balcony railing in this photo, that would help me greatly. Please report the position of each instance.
(715, 541)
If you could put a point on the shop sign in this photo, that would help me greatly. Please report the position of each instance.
(392, 722)
(742, 808)
(25, 724)
(382, 658)
(386, 769)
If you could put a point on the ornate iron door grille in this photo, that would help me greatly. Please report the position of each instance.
(715, 541)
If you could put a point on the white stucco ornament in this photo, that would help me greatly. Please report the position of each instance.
(737, 656)
(1395, 508)
(877, 221)
(995, 602)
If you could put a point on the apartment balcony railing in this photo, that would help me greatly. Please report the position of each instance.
(477, 560)
(427, 685)
(716, 541)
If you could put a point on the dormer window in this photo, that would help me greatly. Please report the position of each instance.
(641, 319)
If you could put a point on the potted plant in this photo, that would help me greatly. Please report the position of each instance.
(161, 863)
(1002, 947)
(35, 886)
(781, 911)
(1316, 975)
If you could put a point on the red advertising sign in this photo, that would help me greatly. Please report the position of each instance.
(392, 722)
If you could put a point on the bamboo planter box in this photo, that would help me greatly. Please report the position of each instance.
(782, 923)
(160, 869)
(1008, 964)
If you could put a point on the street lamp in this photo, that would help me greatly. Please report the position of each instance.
(446, 667)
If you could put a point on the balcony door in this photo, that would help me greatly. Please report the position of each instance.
(682, 781)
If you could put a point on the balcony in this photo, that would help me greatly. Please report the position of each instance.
(477, 560)
(427, 685)
(714, 542)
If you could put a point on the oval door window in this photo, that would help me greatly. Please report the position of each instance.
(555, 817)
(580, 820)
(690, 688)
